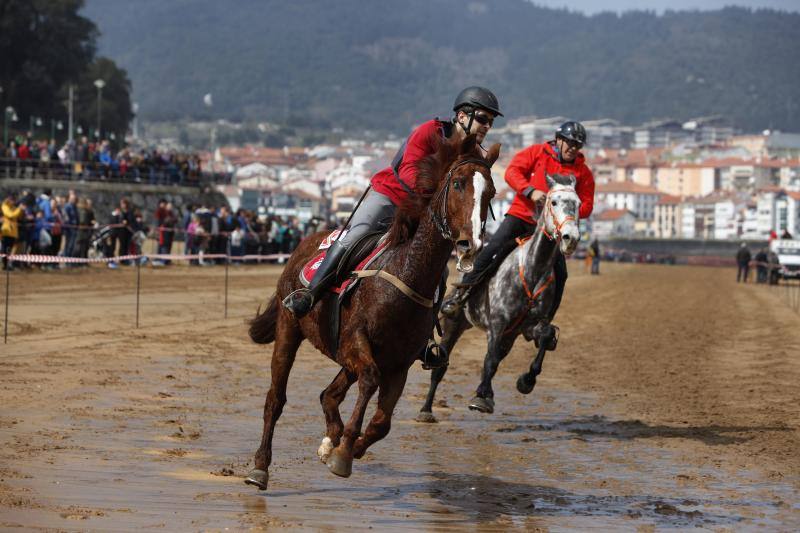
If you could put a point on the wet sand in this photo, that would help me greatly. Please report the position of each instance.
(673, 401)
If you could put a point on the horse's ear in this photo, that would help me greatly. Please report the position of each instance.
(550, 181)
(493, 154)
(469, 144)
(573, 181)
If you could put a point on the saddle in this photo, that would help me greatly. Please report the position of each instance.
(362, 254)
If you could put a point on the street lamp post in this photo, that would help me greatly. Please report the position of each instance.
(34, 121)
(135, 109)
(55, 125)
(8, 113)
(99, 84)
(69, 110)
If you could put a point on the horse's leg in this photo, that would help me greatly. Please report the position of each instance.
(453, 329)
(287, 340)
(341, 459)
(527, 381)
(499, 346)
(330, 399)
(390, 390)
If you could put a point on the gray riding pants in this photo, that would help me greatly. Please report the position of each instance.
(375, 213)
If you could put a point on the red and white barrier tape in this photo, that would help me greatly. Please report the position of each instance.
(31, 258)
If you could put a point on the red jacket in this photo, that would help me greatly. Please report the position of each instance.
(422, 142)
(528, 171)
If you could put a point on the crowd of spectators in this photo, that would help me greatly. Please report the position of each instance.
(47, 224)
(67, 226)
(85, 160)
(206, 230)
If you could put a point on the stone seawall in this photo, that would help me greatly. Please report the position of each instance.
(695, 251)
(106, 195)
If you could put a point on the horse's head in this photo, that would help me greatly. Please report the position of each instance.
(461, 203)
(561, 212)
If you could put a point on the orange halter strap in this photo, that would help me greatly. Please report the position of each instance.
(558, 225)
(532, 295)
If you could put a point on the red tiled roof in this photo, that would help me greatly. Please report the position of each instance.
(613, 214)
(668, 199)
(626, 187)
(638, 157)
(770, 188)
(793, 194)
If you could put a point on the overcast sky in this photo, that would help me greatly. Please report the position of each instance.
(594, 6)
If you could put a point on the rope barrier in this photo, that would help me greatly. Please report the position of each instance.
(46, 259)
(32, 258)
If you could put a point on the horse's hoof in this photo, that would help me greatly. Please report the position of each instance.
(426, 417)
(524, 384)
(324, 450)
(484, 405)
(340, 463)
(257, 477)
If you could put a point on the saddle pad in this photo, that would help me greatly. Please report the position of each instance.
(311, 267)
(332, 236)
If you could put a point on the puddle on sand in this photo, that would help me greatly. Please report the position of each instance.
(547, 460)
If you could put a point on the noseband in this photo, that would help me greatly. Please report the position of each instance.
(558, 225)
(439, 213)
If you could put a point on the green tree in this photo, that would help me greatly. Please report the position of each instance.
(46, 45)
(43, 45)
(115, 104)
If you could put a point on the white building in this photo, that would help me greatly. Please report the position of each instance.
(725, 218)
(667, 223)
(614, 223)
(639, 199)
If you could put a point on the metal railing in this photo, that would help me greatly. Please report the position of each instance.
(146, 173)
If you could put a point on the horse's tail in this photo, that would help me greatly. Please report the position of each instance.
(262, 327)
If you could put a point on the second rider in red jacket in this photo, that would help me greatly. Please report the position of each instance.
(527, 175)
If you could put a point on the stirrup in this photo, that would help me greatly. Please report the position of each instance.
(452, 306)
(434, 356)
(299, 302)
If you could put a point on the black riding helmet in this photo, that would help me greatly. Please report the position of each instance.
(478, 97)
(573, 131)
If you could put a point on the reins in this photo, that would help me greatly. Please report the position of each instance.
(558, 226)
(533, 295)
(439, 214)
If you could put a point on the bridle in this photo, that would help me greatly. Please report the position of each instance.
(438, 206)
(559, 225)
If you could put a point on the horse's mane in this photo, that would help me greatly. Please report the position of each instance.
(568, 180)
(430, 172)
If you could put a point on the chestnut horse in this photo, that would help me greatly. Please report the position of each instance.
(381, 329)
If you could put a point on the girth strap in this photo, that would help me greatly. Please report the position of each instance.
(397, 282)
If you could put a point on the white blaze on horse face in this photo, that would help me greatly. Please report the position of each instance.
(479, 186)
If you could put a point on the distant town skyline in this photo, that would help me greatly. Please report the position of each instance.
(591, 7)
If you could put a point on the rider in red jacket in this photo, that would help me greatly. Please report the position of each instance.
(527, 175)
(475, 110)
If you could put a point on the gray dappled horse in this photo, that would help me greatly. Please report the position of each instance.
(518, 298)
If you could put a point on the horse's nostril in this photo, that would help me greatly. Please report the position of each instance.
(567, 238)
(463, 245)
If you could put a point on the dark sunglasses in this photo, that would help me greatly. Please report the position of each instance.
(573, 144)
(484, 119)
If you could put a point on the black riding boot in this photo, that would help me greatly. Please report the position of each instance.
(302, 300)
(433, 355)
(454, 303)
